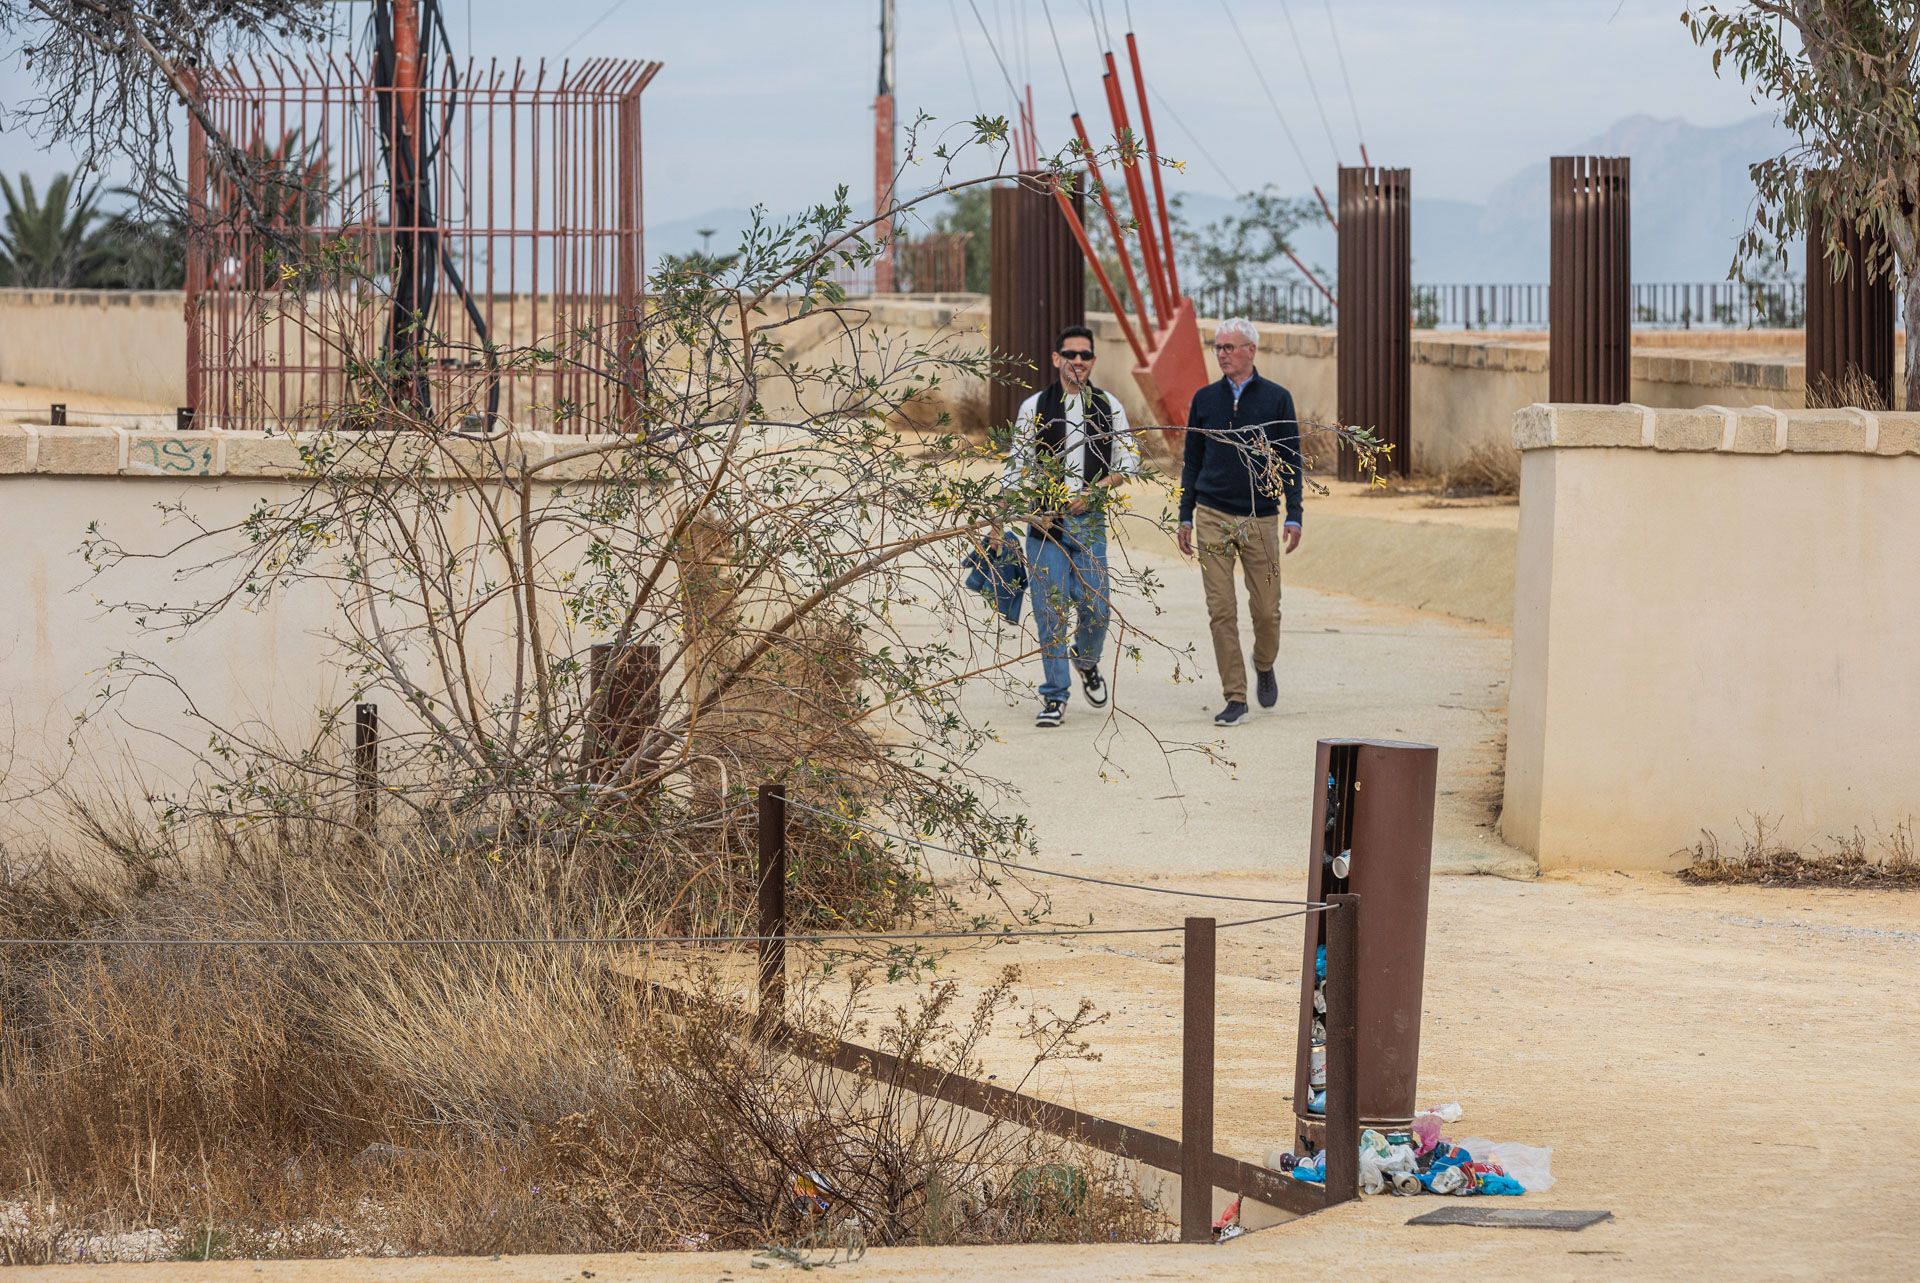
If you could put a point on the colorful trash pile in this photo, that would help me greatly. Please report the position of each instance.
(1421, 1161)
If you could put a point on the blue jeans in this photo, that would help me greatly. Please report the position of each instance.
(1063, 579)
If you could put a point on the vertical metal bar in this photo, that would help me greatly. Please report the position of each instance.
(1196, 1085)
(773, 907)
(196, 249)
(1113, 227)
(1343, 1070)
(1153, 160)
(366, 762)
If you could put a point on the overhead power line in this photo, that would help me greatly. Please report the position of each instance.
(1353, 104)
(1300, 50)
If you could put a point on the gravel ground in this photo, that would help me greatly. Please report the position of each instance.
(1728, 1070)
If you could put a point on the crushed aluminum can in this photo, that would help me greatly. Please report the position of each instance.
(1405, 1183)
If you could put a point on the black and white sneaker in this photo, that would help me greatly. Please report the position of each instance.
(1233, 714)
(1051, 713)
(1267, 687)
(1095, 686)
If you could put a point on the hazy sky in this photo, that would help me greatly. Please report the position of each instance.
(765, 101)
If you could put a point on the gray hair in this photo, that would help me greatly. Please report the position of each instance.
(1240, 327)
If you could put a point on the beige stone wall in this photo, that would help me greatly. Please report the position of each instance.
(268, 665)
(111, 342)
(1715, 616)
(1466, 387)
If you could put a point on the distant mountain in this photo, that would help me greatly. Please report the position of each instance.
(1691, 198)
(1691, 201)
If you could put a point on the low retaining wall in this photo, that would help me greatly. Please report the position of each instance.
(1466, 387)
(268, 664)
(119, 343)
(1715, 614)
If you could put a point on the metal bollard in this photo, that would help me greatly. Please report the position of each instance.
(1196, 1085)
(773, 909)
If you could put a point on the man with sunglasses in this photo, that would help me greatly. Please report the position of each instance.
(1242, 461)
(1071, 444)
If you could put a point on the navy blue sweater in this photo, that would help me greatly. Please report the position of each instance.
(1225, 468)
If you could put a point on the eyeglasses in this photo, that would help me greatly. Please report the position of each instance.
(1075, 356)
(1230, 347)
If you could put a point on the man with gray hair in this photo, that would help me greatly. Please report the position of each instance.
(1242, 460)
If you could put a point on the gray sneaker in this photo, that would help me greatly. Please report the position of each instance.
(1233, 714)
(1051, 713)
(1093, 686)
(1266, 687)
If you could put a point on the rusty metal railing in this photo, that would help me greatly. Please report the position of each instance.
(413, 236)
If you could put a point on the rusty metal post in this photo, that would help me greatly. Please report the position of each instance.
(630, 705)
(1196, 1085)
(1372, 836)
(1038, 286)
(1375, 312)
(1343, 1047)
(1590, 303)
(57, 414)
(366, 762)
(196, 274)
(1849, 322)
(773, 907)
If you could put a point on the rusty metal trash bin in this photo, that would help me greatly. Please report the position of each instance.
(1373, 837)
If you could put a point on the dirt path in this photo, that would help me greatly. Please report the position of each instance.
(1730, 1071)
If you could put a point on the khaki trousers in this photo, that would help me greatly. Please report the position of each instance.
(1219, 538)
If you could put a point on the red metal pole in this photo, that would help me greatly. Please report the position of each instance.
(1153, 159)
(883, 192)
(1113, 225)
(1136, 191)
(1099, 272)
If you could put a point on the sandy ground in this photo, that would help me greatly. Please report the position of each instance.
(1729, 1071)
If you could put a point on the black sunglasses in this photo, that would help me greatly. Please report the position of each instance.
(1076, 355)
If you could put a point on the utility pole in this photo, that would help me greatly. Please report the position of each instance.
(883, 155)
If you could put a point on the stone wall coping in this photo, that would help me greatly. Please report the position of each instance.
(81, 450)
(1717, 429)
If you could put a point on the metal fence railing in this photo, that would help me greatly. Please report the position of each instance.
(1721, 305)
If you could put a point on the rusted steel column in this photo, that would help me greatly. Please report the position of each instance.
(773, 906)
(1196, 1085)
(1038, 283)
(1375, 349)
(630, 705)
(1850, 322)
(366, 762)
(1372, 836)
(1343, 1040)
(1590, 319)
(196, 248)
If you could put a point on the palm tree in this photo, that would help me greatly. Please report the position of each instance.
(49, 244)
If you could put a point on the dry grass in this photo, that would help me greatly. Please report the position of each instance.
(1844, 861)
(256, 1100)
(1853, 388)
(1490, 470)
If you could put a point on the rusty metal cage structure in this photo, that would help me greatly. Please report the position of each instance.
(1590, 307)
(498, 274)
(933, 264)
(1038, 282)
(1850, 328)
(1375, 321)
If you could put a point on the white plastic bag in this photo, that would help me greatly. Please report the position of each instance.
(1531, 1165)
